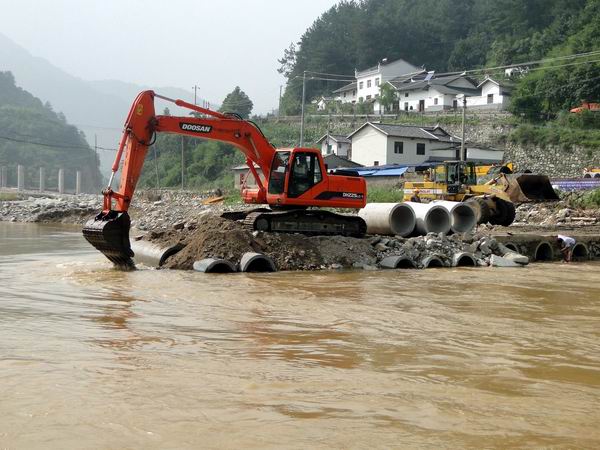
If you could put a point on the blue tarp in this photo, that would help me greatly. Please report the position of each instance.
(383, 171)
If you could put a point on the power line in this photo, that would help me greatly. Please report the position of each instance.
(50, 145)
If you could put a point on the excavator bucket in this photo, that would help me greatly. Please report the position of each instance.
(109, 233)
(522, 187)
(528, 187)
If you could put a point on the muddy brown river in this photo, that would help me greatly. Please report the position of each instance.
(92, 358)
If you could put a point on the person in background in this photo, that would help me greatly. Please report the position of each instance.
(415, 197)
(566, 245)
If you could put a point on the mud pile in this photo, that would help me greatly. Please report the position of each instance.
(216, 237)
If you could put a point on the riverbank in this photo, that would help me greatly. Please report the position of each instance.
(190, 221)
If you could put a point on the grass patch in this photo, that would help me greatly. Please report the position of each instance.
(233, 198)
(8, 197)
(384, 194)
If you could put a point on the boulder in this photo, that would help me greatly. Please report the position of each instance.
(499, 261)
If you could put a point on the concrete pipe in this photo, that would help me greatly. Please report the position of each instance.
(543, 252)
(212, 265)
(581, 252)
(464, 259)
(151, 254)
(396, 219)
(463, 215)
(397, 262)
(431, 218)
(256, 262)
(511, 246)
(432, 262)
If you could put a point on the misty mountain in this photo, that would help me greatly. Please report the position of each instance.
(95, 107)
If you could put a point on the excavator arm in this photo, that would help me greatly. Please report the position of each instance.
(142, 124)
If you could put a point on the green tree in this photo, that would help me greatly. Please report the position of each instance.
(237, 102)
(387, 97)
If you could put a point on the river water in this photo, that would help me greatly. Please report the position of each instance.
(440, 358)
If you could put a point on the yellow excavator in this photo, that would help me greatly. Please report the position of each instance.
(494, 201)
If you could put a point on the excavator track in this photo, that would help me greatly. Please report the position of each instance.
(309, 222)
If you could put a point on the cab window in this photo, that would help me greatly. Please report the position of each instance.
(278, 172)
(306, 172)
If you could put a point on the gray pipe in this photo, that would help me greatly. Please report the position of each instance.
(431, 218)
(151, 254)
(463, 216)
(397, 219)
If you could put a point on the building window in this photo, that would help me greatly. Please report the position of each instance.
(375, 163)
(360, 99)
(368, 97)
(344, 95)
(490, 99)
(376, 81)
(360, 85)
(406, 94)
(368, 83)
(398, 148)
(455, 104)
(435, 101)
(329, 149)
(405, 106)
(420, 149)
(353, 92)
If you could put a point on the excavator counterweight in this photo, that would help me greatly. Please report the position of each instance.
(292, 180)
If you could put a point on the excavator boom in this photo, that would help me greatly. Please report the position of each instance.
(291, 178)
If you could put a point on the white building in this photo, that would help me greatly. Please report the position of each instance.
(492, 95)
(369, 80)
(419, 94)
(346, 94)
(376, 144)
(335, 144)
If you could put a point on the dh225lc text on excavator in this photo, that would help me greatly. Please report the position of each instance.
(293, 179)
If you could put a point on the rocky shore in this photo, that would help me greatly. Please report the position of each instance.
(188, 219)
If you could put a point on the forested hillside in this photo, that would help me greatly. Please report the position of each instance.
(33, 135)
(452, 35)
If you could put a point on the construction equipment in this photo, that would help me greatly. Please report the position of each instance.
(294, 179)
(586, 106)
(591, 172)
(493, 201)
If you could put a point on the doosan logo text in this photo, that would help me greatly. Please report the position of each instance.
(195, 127)
(351, 195)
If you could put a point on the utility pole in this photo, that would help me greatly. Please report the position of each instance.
(302, 116)
(463, 156)
(156, 167)
(195, 93)
(182, 162)
(279, 107)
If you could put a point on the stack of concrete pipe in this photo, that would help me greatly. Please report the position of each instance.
(413, 219)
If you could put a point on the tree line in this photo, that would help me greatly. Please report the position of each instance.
(34, 135)
(453, 35)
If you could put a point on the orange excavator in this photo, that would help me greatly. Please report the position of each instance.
(293, 179)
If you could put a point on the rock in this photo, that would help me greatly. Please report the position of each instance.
(499, 261)
(179, 226)
(380, 247)
(485, 248)
(516, 257)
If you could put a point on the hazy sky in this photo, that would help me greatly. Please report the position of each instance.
(215, 44)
